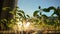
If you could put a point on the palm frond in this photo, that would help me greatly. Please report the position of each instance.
(20, 14)
(21, 11)
(35, 13)
(45, 10)
(48, 9)
(28, 16)
(51, 8)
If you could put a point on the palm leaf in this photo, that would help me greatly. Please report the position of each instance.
(52, 14)
(28, 16)
(44, 15)
(48, 9)
(6, 8)
(45, 10)
(20, 14)
(51, 8)
(21, 11)
(35, 13)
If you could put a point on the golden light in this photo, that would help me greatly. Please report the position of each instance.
(19, 25)
(27, 25)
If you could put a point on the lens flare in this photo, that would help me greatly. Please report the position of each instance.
(27, 25)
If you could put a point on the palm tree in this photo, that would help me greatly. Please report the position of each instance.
(1, 4)
(6, 7)
(56, 11)
(10, 5)
(23, 17)
(41, 19)
(35, 14)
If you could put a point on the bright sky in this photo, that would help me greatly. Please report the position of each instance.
(29, 6)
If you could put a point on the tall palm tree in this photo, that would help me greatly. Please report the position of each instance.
(6, 7)
(1, 4)
(12, 5)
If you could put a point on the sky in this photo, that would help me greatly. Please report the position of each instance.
(29, 6)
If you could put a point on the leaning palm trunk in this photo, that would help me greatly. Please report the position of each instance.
(9, 6)
(1, 3)
(12, 5)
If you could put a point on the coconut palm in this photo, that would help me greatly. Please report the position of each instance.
(40, 18)
(7, 6)
(12, 5)
(56, 11)
(35, 14)
(1, 3)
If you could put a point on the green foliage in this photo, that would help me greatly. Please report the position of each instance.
(6, 8)
(38, 19)
(45, 20)
(35, 13)
(7, 23)
(48, 9)
(28, 16)
(45, 10)
(21, 13)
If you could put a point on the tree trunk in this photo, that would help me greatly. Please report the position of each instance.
(1, 4)
(4, 14)
(11, 4)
